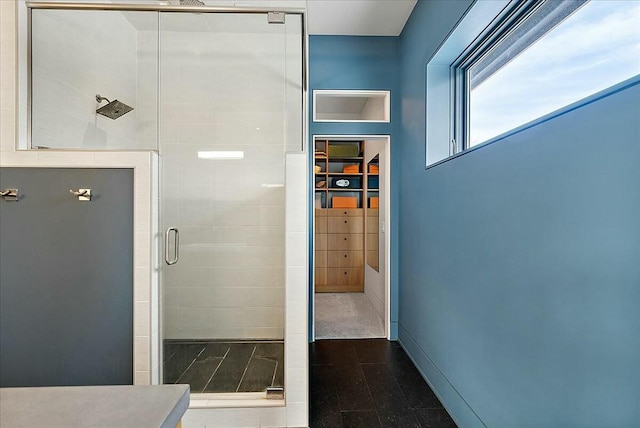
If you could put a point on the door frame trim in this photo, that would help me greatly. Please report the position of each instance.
(386, 138)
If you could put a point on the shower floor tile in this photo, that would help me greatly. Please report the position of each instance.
(218, 366)
(232, 369)
(259, 372)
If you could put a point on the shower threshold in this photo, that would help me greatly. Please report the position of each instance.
(233, 400)
(225, 370)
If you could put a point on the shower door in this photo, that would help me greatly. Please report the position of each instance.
(230, 97)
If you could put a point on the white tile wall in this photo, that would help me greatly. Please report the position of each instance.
(230, 281)
(296, 343)
(222, 418)
(155, 292)
(146, 107)
(8, 84)
(76, 55)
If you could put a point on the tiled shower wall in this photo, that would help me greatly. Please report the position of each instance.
(78, 54)
(229, 282)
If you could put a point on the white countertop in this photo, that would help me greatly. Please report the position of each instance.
(94, 406)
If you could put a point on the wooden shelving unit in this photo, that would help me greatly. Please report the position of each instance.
(339, 230)
(331, 159)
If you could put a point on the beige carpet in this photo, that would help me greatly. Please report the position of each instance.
(346, 316)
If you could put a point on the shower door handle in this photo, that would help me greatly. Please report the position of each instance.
(176, 246)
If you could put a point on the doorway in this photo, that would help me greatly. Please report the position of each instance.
(351, 279)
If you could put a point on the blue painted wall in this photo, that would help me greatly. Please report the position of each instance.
(350, 62)
(519, 265)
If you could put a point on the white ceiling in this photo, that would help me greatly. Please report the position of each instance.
(330, 17)
(358, 17)
(341, 17)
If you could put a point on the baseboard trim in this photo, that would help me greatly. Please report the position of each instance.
(393, 330)
(462, 414)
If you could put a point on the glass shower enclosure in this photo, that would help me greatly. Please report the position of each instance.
(219, 94)
(224, 87)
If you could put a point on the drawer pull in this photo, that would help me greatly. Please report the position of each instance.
(345, 239)
(345, 256)
(345, 273)
(345, 213)
(345, 221)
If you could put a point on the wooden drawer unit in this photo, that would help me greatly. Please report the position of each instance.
(344, 241)
(339, 245)
(321, 279)
(342, 277)
(321, 258)
(344, 259)
(321, 242)
(321, 225)
(351, 212)
(345, 224)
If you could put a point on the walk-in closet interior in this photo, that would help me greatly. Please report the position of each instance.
(218, 93)
(350, 238)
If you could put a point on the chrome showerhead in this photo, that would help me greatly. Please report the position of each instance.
(114, 109)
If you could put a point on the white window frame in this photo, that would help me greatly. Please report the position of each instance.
(447, 87)
(440, 107)
(546, 14)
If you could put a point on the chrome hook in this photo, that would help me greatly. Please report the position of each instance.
(9, 194)
(82, 194)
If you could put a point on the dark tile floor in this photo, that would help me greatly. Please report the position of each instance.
(369, 383)
(215, 366)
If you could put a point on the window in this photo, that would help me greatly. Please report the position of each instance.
(555, 54)
(534, 58)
